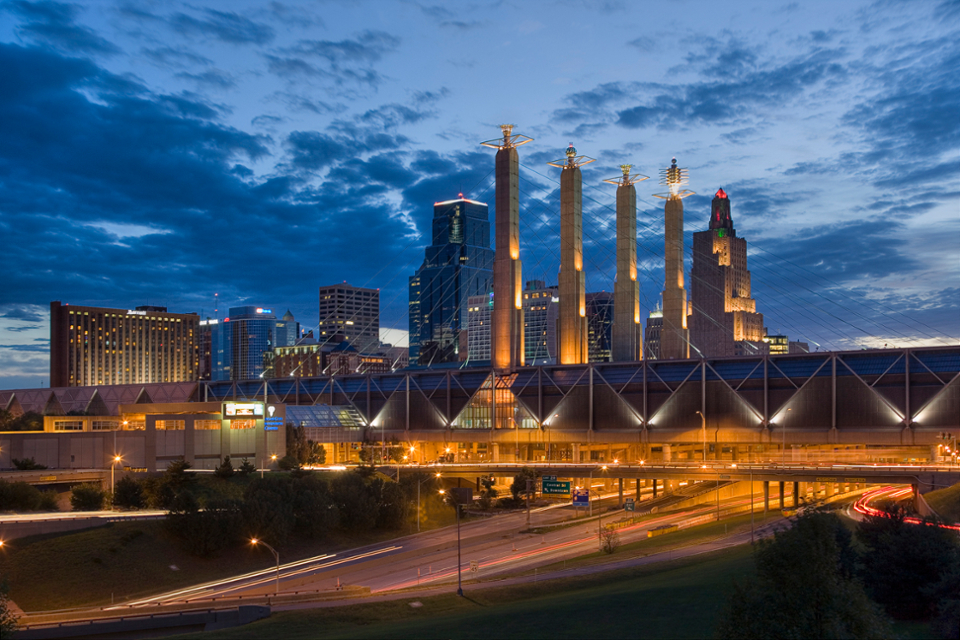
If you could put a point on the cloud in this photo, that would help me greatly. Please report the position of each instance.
(211, 79)
(54, 23)
(222, 25)
(23, 312)
(179, 57)
(335, 63)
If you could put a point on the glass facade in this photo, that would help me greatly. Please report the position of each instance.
(239, 343)
(458, 264)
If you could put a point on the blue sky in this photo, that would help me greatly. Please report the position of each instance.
(158, 153)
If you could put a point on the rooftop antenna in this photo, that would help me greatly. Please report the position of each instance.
(627, 179)
(674, 177)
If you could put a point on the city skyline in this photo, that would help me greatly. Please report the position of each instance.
(159, 154)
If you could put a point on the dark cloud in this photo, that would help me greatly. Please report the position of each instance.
(295, 16)
(645, 44)
(54, 23)
(179, 58)
(211, 79)
(223, 25)
(30, 348)
(23, 313)
(339, 62)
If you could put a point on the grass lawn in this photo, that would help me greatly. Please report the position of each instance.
(679, 599)
(945, 502)
(132, 560)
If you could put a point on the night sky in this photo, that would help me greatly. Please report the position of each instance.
(162, 152)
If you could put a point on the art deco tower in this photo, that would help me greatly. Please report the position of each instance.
(627, 345)
(674, 339)
(572, 331)
(724, 321)
(506, 335)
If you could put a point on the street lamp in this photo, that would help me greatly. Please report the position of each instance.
(113, 466)
(255, 542)
(783, 447)
(600, 518)
(704, 429)
(420, 482)
(456, 505)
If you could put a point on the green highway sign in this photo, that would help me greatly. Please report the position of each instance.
(629, 505)
(553, 487)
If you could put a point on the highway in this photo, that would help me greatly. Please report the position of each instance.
(495, 544)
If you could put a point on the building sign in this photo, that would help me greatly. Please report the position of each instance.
(131, 312)
(274, 418)
(242, 409)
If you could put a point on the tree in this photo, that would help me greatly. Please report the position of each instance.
(8, 620)
(297, 443)
(204, 533)
(268, 511)
(128, 494)
(357, 504)
(609, 540)
(904, 561)
(518, 489)
(19, 496)
(487, 493)
(225, 470)
(246, 468)
(27, 464)
(804, 588)
(314, 509)
(87, 497)
(288, 463)
(316, 453)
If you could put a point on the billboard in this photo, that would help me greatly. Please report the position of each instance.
(243, 410)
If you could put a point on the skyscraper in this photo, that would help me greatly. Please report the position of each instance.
(541, 310)
(240, 343)
(350, 313)
(724, 321)
(600, 316)
(96, 345)
(651, 339)
(457, 264)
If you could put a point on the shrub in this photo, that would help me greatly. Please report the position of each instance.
(225, 470)
(87, 497)
(128, 494)
(19, 496)
(27, 464)
(49, 501)
(609, 540)
(246, 468)
(288, 463)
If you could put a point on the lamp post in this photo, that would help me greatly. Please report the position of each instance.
(783, 430)
(704, 429)
(420, 482)
(600, 519)
(113, 466)
(456, 505)
(255, 542)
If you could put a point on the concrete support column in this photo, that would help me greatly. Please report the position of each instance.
(666, 453)
(495, 451)
(654, 487)
(830, 489)
(783, 504)
(576, 452)
(620, 497)
(796, 495)
(766, 496)
(637, 499)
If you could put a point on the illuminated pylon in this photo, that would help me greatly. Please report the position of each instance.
(572, 323)
(506, 330)
(627, 344)
(675, 336)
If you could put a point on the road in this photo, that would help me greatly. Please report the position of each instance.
(495, 544)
